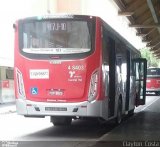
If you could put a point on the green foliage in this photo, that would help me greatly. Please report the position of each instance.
(151, 60)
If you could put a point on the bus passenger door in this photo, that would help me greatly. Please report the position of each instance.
(112, 77)
(109, 69)
(140, 71)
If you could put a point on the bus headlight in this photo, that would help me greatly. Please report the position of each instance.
(93, 87)
(20, 84)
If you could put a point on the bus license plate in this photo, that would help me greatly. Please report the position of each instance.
(55, 109)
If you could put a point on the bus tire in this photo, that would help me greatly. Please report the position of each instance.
(61, 121)
(119, 112)
(131, 112)
(157, 93)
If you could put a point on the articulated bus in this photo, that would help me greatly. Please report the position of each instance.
(153, 81)
(75, 66)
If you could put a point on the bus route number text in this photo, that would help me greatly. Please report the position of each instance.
(57, 26)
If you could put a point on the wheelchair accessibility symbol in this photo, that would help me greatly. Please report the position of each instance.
(34, 90)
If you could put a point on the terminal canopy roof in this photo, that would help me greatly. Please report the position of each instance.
(144, 16)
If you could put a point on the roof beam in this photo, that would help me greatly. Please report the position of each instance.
(145, 34)
(156, 51)
(154, 46)
(145, 25)
(155, 39)
(146, 40)
(125, 13)
(123, 7)
(120, 4)
(141, 34)
(157, 55)
(153, 12)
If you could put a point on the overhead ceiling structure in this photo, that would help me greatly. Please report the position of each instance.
(144, 16)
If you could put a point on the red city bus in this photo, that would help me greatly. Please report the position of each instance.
(74, 66)
(153, 81)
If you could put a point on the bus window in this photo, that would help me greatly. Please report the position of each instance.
(56, 37)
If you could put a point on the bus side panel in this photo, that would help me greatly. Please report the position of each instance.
(98, 46)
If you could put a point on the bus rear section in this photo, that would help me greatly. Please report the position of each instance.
(75, 66)
(57, 68)
(153, 81)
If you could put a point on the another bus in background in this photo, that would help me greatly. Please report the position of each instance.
(74, 66)
(153, 81)
(6, 84)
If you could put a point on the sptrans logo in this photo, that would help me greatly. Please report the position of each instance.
(39, 74)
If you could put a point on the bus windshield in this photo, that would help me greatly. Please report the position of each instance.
(56, 37)
(153, 72)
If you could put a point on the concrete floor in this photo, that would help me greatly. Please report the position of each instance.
(142, 129)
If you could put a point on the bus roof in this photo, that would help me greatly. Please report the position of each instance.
(58, 16)
(119, 37)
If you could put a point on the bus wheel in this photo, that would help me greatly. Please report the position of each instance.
(119, 112)
(61, 121)
(131, 112)
(157, 93)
